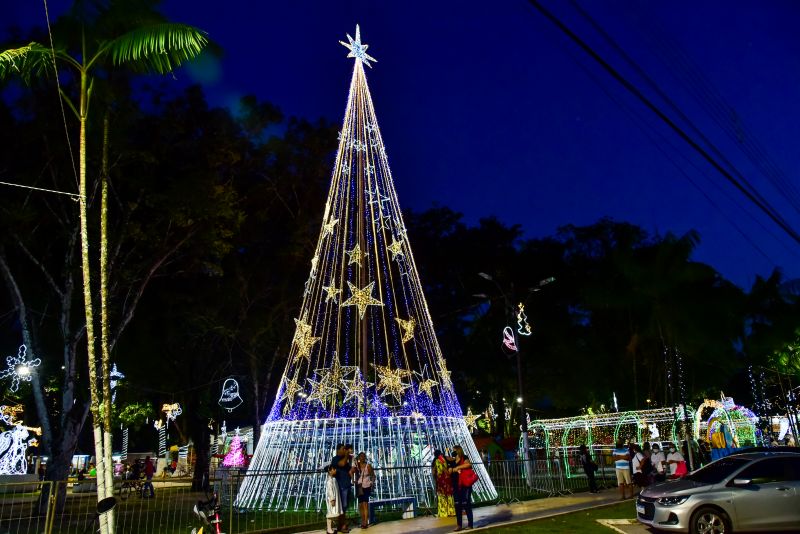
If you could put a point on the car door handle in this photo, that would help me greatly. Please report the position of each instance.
(783, 489)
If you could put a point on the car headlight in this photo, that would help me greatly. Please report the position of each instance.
(673, 501)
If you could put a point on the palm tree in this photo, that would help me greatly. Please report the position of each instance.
(121, 34)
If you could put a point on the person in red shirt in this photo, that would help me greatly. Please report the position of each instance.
(149, 471)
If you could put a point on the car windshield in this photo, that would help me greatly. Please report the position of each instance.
(718, 471)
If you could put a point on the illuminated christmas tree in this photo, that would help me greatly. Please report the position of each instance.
(365, 366)
(235, 456)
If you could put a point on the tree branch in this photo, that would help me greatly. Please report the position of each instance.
(41, 267)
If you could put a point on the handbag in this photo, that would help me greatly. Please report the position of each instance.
(680, 469)
(467, 477)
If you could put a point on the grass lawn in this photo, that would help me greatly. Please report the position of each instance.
(584, 522)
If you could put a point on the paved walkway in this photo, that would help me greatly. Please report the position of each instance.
(501, 514)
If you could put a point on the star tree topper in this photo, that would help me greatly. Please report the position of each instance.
(357, 49)
(361, 298)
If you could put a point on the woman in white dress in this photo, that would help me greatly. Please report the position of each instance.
(332, 499)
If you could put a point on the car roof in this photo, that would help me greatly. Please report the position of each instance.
(766, 454)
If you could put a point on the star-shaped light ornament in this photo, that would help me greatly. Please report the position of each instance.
(426, 386)
(396, 248)
(355, 387)
(328, 227)
(334, 373)
(444, 374)
(407, 325)
(290, 389)
(390, 381)
(361, 298)
(303, 340)
(355, 255)
(471, 419)
(357, 49)
(331, 293)
(323, 391)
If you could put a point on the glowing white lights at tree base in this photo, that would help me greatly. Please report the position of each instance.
(365, 366)
(399, 448)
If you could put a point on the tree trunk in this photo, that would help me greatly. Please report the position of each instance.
(108, 472)
(201, 436)
(87, 301)
(59, 466)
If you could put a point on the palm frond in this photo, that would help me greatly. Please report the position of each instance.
(157, 48)
(26, 62)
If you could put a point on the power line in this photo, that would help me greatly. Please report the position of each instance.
(763, 205)
(723, 114)
(643, 126)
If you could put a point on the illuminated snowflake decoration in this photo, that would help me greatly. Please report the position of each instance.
(19, 368)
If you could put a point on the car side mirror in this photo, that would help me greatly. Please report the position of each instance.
(741, 482)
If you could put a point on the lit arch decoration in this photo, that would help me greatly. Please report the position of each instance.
(566, 434)
(719, 412)
(742, 422)
(629, 418)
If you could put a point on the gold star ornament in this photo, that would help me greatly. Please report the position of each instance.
(408, 328)
(426, 386)
(396, 248)
(355, 255)
(331, 293)
(303, 340)
(390, 381)
(471, 419)
(290, 389)
(327, 229)
(361, 298)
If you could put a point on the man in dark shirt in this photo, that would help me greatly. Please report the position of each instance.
(343, 464)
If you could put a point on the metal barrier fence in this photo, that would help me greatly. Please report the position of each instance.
(31, 507)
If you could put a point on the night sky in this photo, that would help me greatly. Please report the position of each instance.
(487, 108)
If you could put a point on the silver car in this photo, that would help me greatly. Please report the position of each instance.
(753, 492)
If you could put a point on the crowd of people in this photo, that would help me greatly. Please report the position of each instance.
(352, 477)
(344, 472)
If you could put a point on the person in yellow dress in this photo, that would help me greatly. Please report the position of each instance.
(444, 486)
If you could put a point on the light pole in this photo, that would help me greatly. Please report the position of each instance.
(509, 313)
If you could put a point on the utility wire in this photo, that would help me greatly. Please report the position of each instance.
(723, 114)
(73, 195)
(764, 206)
(655, 87)
(650, 132)
(60, 98)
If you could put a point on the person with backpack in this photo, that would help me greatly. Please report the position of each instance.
(641, 467)
(466, 478)
(589, 467)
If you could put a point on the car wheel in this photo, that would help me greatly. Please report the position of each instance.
(710, 521)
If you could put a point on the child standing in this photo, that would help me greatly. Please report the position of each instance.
(332, 499)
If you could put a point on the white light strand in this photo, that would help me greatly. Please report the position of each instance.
(19, 368)
(124, 454)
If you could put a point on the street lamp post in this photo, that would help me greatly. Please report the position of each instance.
(509, 312)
